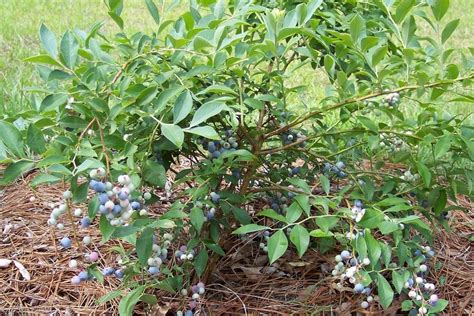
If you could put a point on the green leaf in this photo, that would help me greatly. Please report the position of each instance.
(293, 212)
(325, 184)
(277, 245)
(442, 146)
(93, 206)
(368, 123)
(439, 307)
(448, 30)
(250, 228)
(44, 178)
(388, 227)
(35, 139)
(147, 95)
(398, 281)
(154, 173)
(326, 222)
(15, 170)
(42, 59)
(52, 102)
(117, 19)
(11, 137)
(385, 291)
(361, 247)
(206, 111)
(109, 296)
(173, 133)
(218, 89)
(204, 131)
(386, 253)
(357, 28)
(197, 218)
(439, 8)
(144, 245)
(372, 218)
(128, 302)
(425, 174)
(105, 228)
(200, 262)
(49, 41)
(272, 214)
(89, 163)
(69, 49)
(373, 248)
(402, 10)
(407, 305)
(299, 236)
(153, 11)
(379, 54)
(79, 193)
(182, 107)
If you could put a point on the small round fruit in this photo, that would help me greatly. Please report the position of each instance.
(83, 275)
(345, 254)
(77, 212)
(85, 222)
(364, 304)
(147, 195)
(119, 273)
(67, 195)
(422, 310)
(366, 261)
(423, 268)
(73, 264)
(66, 242)
(412, 294)
(195, 296)
(86, 240)
(358, 288)
(370, 299)
(338, 258)
(153, 270)
(93, 256)
(184, 292)
(75, 280)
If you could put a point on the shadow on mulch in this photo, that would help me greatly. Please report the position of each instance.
(241, 283)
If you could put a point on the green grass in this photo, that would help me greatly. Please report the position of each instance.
(21, 20)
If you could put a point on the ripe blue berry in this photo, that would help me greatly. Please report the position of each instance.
(340, 165)
(119, 273)
(295, 170)
(103, 198)
(83, 275)
(66, 242)
(345, 254)
(123, 195)
(215, 197)
(75, 280)
(135, 205)
(358, 203)
(108, 271)
(358, 288)
(85, 222)
(188, 313)
(153, 270)
(103, 210)
(117, 209)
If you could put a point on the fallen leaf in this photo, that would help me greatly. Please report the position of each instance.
(24, 273)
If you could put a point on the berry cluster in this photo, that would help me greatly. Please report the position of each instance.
(347, 268)
(196, 291)
(358, 211)
(290, 137)
(183, 254)
(337, 169)
(279, 202)
(421, 291)
(217, 147)
(263, 245)
(393, 144)
(392, 99)
(408, 176)
(116, 203)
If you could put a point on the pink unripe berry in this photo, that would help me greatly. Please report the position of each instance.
(93, 256)
(75, 280)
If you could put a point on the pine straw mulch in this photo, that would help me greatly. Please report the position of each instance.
(242, 283)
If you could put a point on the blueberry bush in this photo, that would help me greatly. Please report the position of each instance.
(218, 102)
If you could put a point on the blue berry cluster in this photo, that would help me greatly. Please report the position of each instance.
(183, 254)
(279, 202)
(358, 211)
(347, 268)
(290, 137)
(116, 203)
(392, 99)
(197, 291)
(217, 147)
(421, 291)
(264, 244)
(336, 169)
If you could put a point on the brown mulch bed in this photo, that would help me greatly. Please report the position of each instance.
(241, 283)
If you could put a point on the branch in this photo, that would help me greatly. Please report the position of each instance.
(358, 99)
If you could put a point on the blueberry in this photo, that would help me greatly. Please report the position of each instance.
(135, 205)
(216, 154)
(358, 203)
(99, 187)
(367, 291)
(229, 133)
(341, 174)
(345, 254)
(226, 145)
(92, 184)
(123, 195)
(275, 207)
(66, 242)
(103, 198)
(210, 216)
(83, 275)
(215, 197)
(234, 144)
(340, 165)
(119, 273)
(430, 253)
(85, 222)
(236, 173)
(211, 147)
(188, 313)
(358, 288)
(108, 271)
(295, 170)
(117, 209)
(75, 280)
(103, 210)
(353, 261)
(153, 270)
(417, 252)
(410, 282)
